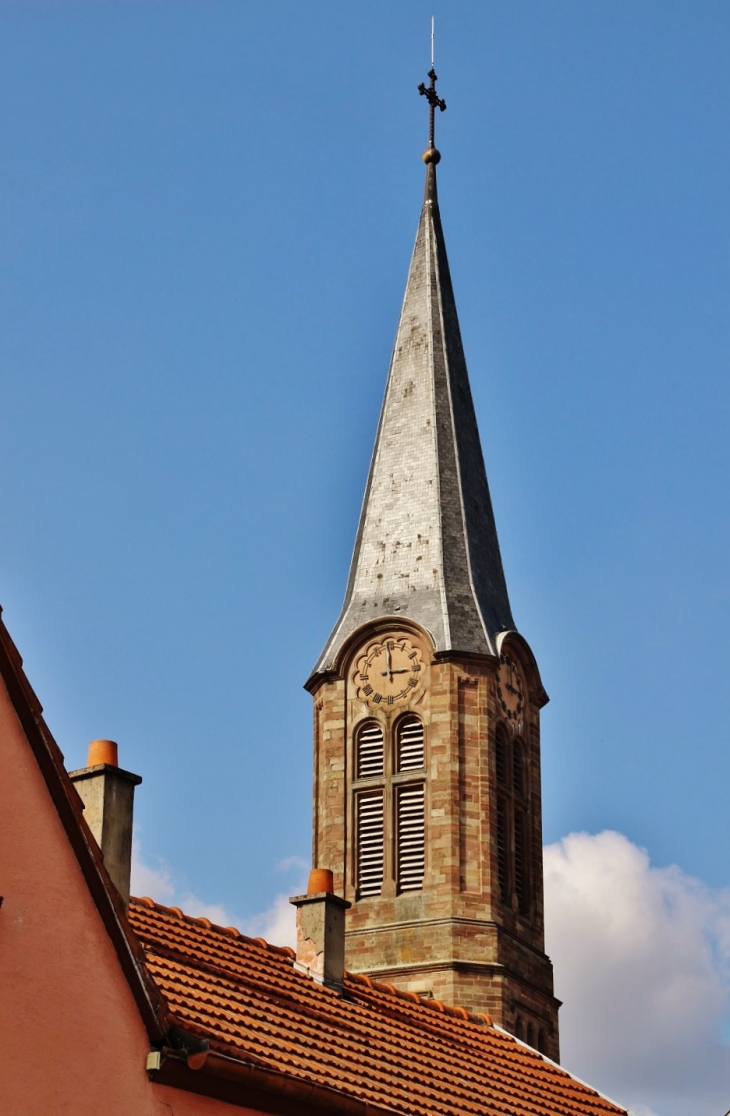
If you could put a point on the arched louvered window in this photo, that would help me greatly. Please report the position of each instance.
(512, 822)
(370, 841)
(389, 800)
(409, 745)
(370, 751)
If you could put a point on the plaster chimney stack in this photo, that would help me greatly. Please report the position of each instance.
(321, 929)
(107, 793)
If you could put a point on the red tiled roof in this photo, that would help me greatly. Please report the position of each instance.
(382, 1048)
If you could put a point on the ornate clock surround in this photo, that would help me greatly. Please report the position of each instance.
(389, 671)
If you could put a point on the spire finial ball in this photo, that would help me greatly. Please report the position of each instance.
(431, 155)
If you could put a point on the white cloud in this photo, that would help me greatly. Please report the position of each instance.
(641, 958)
(277, 924)
(191, 905)
(158, 883)
(296, 864)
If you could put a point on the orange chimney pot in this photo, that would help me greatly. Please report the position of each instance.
(320, 879)
(103, 751)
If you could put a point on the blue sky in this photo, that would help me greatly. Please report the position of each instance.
(206, 216)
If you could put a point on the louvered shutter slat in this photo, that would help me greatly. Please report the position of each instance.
(410, 745)
(370, 843)
(517, 773)
(370, 752)
(502, 838)
(411, 835)
(520, 867)
(501, 757)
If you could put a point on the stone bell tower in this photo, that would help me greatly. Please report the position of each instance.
(427, 700)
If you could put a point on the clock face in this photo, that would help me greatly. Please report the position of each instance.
(510, 688)
(388, 672)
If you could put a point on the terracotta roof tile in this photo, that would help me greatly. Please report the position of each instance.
(373, 1044)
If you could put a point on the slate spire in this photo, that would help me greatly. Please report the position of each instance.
(427, 546)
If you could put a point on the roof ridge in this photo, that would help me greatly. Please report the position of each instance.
(457, 1011)
(201, 920)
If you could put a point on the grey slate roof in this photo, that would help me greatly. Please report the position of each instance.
(426, 546)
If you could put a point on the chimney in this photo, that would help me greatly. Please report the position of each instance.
(107, 793)
(321, 929)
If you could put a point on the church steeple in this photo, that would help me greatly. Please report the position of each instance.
(426, 545)
(427, 701)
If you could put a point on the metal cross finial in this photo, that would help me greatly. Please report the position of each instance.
(434, 102)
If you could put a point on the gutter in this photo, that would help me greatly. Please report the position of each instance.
(233, 1080)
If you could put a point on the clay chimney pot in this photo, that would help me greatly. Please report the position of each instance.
(103, 751)
(320, 879)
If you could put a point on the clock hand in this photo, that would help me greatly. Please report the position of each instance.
(390, 673)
